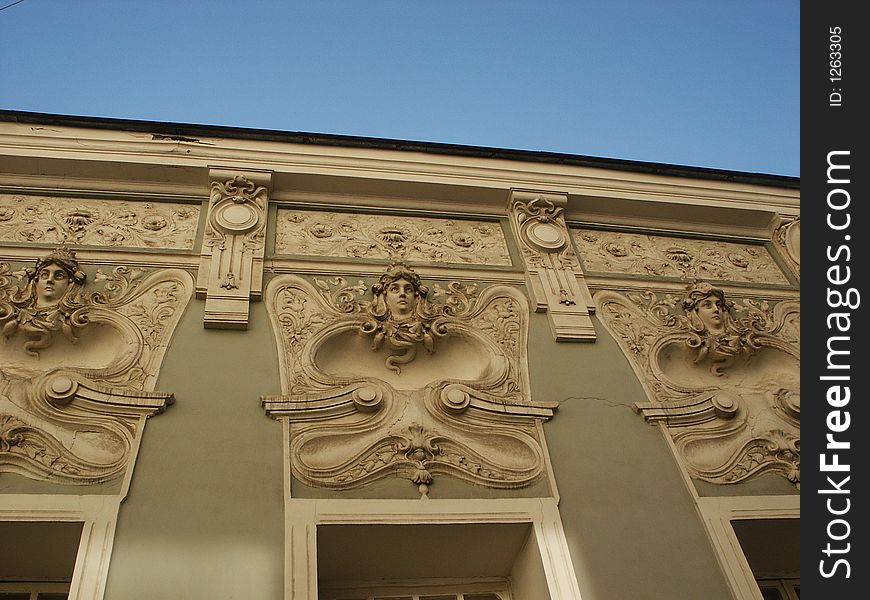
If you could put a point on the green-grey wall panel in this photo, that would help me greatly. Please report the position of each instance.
(629, 520)
(204, 517)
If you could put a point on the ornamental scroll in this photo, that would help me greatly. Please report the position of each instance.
(394, 384)
(77, 370)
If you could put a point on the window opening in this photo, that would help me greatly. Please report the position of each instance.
(772, 549)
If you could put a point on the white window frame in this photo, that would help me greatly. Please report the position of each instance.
(98, 515)
(303, 516)
(718, 513)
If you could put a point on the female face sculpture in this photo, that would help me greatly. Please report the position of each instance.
(711, 313)
(398, 292)
(54, 277)
(52, 281)
(706, 306)
(401, 298)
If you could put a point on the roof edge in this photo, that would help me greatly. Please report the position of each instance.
(325, 139)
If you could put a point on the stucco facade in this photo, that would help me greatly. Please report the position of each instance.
(590, 371)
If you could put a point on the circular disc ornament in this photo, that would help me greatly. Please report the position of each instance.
(236, 217)
(547, 236)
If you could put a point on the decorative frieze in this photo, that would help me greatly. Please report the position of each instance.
(400, 385)
(90, 222)
(722, 376)
(415, 239)
(231, 259)
(645, 255)
(555, 280)
(77, 370)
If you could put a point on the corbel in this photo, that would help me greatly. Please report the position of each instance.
(554, 278)
(231, 258)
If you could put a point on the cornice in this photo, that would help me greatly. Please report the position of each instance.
(297, 166)
(190, 133)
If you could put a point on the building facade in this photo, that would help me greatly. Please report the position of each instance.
(256, 364)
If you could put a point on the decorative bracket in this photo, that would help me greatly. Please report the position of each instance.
(787, 238)
(554, 278)
(231, 259)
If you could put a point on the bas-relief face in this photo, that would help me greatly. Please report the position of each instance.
(400, 298)
(52, 282)
(712, 314)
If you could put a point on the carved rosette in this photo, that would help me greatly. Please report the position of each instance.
(231, 261)
(727, 392)
(72, 409)
(554, 277)
(459, 407)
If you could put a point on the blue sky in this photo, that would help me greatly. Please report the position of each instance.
(703, 83)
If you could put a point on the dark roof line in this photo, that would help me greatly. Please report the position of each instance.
(324, 139)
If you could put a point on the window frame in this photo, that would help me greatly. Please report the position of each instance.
(718, 513)
(302, 516)
(98, 515)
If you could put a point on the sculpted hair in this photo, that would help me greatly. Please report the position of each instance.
(398, 271)
(700, 291)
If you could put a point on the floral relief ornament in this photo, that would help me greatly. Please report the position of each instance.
(665, 256)
(721, 376)
(390, 237)
(97, 222)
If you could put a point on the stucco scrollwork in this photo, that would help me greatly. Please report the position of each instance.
(722, 376)
(77, 369)
(406, 382)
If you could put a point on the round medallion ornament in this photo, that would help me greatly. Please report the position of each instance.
(547, 236)
(236, 218)
(725, 405)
